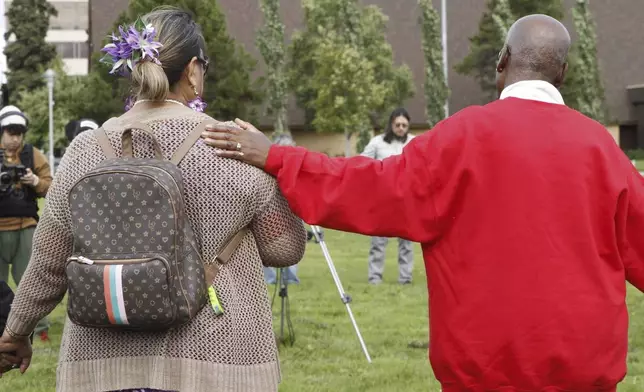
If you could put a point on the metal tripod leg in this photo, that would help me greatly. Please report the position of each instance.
(281, 288)
(346, 299)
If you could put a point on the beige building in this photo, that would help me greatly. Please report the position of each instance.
(68, 32)
(620, 39)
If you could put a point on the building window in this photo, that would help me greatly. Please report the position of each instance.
(72, 50)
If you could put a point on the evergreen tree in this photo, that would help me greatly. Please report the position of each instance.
(229, 90)
(553, 8)
(436, 90)
(270, 40)
(28, 55)
(486, 45)
(590, 95)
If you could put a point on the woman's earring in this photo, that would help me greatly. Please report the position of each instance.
(197, 104)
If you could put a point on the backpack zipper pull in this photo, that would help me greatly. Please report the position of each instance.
(84, 260)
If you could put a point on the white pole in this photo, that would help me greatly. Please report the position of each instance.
(50, 75)
(444, 39)
(3, 59)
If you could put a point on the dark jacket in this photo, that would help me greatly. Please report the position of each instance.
(6, 297)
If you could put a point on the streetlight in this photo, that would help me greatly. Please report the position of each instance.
(49, 76)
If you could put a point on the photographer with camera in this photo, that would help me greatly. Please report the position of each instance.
(24, 177)
(76, 127)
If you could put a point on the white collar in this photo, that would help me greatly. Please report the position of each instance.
(535, 90)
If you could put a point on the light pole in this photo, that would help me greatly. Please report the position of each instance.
(50, 75)
(444, 41)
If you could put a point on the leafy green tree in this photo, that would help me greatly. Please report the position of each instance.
(346, 88)
(229, 90)
(589, 97)
(29, 54)
(75, 97)
(270, 40)
(397, 81)
(436, 90)
(344, 26)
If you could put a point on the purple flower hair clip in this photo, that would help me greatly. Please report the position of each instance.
(134, 44)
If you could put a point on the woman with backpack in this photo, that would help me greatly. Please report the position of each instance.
(162, 266)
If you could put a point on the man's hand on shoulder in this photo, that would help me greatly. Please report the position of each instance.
(243, 142)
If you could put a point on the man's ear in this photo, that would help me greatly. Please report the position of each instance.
(561, 76)
(503, 60)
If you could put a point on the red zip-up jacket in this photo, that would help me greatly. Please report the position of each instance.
(531, 221)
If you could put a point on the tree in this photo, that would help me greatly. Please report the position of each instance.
(493, 27)
(346, 88)
(75, 97)
(436, 90)
(553, 8)
(343, 27)
(486, 45)
(28, 55)
(397, 81)
(229, 90)
(589, 98)
(270, 40)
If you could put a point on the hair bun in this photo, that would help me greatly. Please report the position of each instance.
(149, 81)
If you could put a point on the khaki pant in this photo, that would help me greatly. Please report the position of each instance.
(15, 251)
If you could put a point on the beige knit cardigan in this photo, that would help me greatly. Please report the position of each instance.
(235, 352)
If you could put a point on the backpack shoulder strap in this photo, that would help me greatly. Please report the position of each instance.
(104, 142)
(190, 141)
(224, 256)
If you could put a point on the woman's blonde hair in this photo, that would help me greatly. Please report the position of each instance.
(182, 40)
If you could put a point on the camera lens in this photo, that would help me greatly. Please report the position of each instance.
(5, 179)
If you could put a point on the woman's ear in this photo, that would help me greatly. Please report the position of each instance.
(193, 72)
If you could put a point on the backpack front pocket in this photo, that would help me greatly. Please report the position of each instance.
(127, 293)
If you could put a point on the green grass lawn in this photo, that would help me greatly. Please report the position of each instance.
(639, 164)
(326, 355)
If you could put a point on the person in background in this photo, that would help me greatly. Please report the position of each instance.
(289, 274)
(19, 203)
(6, 297)
(75, 127)
(391, 143)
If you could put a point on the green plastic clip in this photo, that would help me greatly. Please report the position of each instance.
(214, 301)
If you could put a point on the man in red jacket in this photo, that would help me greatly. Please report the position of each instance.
(529, 215)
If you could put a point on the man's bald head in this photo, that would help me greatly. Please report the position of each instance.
(536, 48)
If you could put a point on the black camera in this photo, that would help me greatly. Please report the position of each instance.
(10, 175)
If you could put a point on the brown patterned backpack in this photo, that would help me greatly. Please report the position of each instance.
(135, 263)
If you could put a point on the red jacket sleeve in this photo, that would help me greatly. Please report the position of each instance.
(396, 197)
(630, 229)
